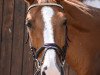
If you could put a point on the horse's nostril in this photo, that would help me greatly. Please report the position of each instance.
(45, 68)
(43, 73)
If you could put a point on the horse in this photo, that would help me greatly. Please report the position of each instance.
(63, 31)
(47, 29)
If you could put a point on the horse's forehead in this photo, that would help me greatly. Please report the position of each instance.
(45, 10)
(39, 12)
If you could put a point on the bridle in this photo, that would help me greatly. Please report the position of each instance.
(61, 52)
(45, 4)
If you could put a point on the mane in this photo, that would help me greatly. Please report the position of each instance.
(70, 4)
(48, 1)
(79, 5)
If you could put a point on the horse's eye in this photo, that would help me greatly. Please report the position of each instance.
(65, 22)
(28, 24)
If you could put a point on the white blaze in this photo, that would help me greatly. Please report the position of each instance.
(50, 56)
(48, 13)
(94, 3)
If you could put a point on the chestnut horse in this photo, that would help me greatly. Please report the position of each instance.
(46, 25)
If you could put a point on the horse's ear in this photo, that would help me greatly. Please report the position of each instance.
(29, 2)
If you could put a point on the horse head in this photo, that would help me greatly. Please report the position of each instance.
(47, 28)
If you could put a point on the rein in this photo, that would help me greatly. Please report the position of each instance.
(61, 52)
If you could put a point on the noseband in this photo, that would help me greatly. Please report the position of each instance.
(61, 52)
